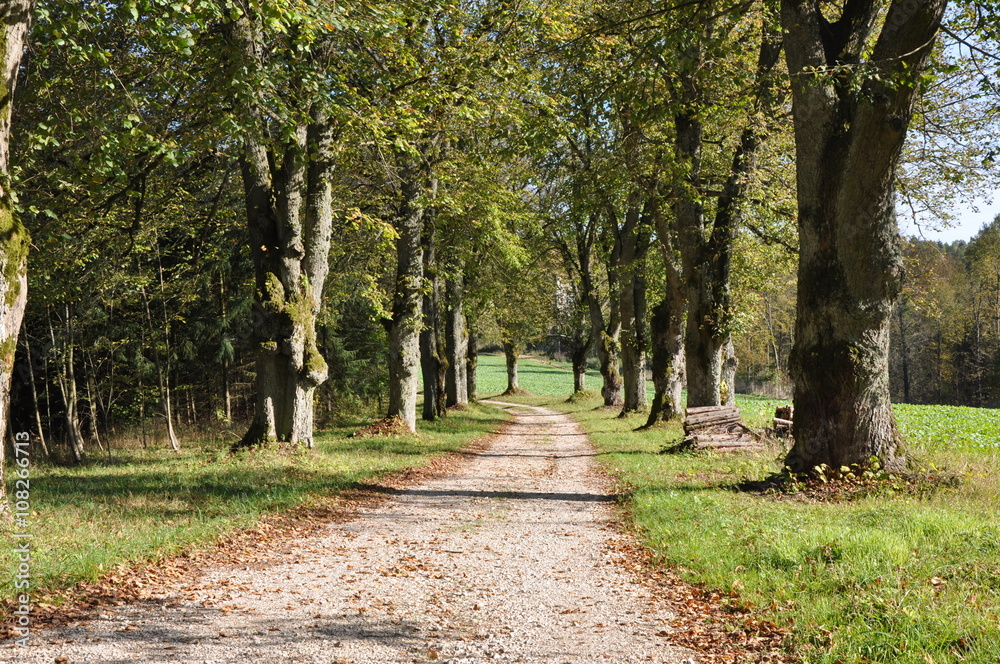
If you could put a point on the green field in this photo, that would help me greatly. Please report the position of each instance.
(903, 572)
(152, 503)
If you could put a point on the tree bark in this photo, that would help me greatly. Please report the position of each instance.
(635, 332)
(162, 374)
(92, 408)
(429, 360)
(729, 365)
(510, 353)
(34, 395)
(290, 218)
(471, 362)
(14, 240)
(457, 342)
(579, 358)
(849, 132)
(707, 257)
(668, 358)
(667, 336)
(67, 385)
(606, 334)
(404, 331)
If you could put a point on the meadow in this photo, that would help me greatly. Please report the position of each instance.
(904, 569)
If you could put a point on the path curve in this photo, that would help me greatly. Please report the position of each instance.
(510, 557)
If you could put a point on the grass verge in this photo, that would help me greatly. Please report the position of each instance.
(893, 575)
(148, 505)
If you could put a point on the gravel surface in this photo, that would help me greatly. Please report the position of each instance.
(511, 556)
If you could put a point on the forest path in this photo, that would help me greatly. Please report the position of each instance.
(510, 556)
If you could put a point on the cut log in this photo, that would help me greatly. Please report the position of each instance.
(709, 409)
(696, 413)
(778, 422)
(708, 424)
(718, 428)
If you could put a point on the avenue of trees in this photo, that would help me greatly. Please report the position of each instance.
(260, 214)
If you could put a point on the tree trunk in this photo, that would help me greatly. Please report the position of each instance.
(579, 357)
(707, 257)
(404, 332)
(606, 334)
(849, 134)
(34, 395)
(227, 399)
(729, 365)
(457, 345)
(289, 210)
(635, 333)
(92, 409)
(668, 329)
(431, 365)
(472, 361)
(668, 358)
(441, 351)
(429, 360)
(510, 353)
(14, 240)
(67, 386)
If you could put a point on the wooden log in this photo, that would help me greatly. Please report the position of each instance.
(708, 409)
(709, 424)
(714, 417)
(778, 422)
(723, 440)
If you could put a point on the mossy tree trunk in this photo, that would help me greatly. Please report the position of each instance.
(407, 309)
(635, 329)
(14, 240)
(667, 334)
(849, 132)
(289, 213)
(668, 354)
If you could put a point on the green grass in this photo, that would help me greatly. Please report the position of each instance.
(150, 504)
(893, 577)
(548, 378)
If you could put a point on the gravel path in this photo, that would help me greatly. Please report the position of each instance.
(511, 557)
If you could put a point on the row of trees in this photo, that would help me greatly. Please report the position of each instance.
(946, 336)
(248, 208)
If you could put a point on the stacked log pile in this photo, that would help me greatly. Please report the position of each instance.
(783, 420)
(718, 428)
